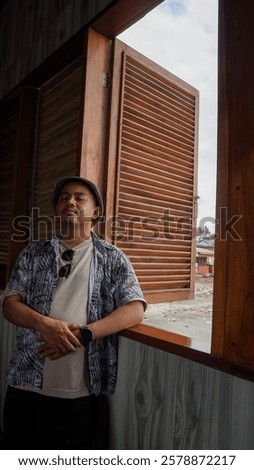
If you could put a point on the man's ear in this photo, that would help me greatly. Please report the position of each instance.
(96, 213)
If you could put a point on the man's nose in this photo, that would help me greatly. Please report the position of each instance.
(71, 200)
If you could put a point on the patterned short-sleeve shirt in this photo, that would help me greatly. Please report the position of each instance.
(112, 283)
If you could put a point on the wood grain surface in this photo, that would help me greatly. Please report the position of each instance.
(163, 401)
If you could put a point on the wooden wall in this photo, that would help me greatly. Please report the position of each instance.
(163, 401)
(31, 30)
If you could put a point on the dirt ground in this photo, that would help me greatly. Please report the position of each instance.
(192, 318)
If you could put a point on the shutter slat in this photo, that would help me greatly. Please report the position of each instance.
(144, 160)
(159, 177)
(141, 82)
(167, 114)
(151, 128)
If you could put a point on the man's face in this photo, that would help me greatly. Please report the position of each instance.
(77, 205)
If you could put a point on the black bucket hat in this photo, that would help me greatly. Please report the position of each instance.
(77, 179)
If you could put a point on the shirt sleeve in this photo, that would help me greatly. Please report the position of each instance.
(18, 280)
(9, 291)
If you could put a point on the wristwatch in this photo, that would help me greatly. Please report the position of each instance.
(86, 335)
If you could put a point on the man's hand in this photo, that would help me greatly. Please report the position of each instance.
(58, 337)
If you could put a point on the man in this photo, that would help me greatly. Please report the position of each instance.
(68, 296)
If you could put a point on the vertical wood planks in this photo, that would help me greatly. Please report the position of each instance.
(163, 401)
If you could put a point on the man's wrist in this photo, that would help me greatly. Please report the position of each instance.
(86, 335)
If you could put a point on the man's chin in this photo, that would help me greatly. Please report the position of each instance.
(70, 220)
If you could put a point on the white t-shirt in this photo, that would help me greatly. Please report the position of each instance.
(67, 377)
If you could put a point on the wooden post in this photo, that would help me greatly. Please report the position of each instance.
(233, 323)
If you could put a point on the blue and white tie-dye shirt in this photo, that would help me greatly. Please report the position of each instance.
(112, 283)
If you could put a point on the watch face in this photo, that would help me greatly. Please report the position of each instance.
(86, 335)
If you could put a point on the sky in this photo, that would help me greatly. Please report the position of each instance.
(181, 36)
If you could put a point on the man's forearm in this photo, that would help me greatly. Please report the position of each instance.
(20, 314)
(56, 333)
(123, 317)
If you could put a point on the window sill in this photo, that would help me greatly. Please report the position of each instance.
(186, 347)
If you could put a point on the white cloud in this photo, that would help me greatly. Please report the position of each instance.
(181, 36)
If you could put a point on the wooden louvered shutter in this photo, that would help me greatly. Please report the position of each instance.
(57, 143)
(153, 152)
(8, 124)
